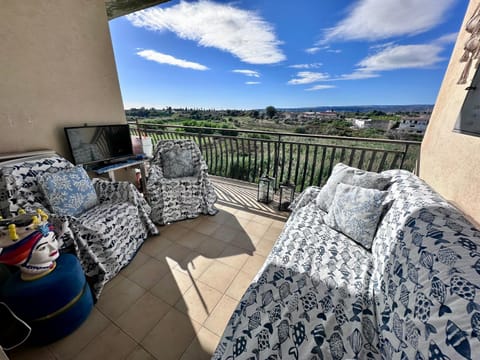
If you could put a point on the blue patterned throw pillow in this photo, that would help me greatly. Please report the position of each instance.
(355, 212)
(68, 192)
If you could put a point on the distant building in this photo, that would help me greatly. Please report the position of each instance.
(371, 124)
(413, 125)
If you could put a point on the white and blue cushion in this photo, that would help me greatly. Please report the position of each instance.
(342, 173)
(355, 212)
(68, 192)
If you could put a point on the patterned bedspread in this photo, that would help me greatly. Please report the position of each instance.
(311, 299)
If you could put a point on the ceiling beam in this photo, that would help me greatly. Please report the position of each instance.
(117, 8)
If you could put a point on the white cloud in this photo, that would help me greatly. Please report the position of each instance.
(252, 82)
(447, 38)
(170, 60)
(320, 87)
(308, 77)
(358, 74)
(306, 66)
(313, 50)
(250, 73)
(382, 19)
(402, 57)
(245, 34)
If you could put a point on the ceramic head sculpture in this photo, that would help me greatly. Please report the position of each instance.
(33, 248)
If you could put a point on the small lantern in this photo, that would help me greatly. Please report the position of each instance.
(287, 193)
(265, 189)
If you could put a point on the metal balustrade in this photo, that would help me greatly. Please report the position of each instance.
(299, 158)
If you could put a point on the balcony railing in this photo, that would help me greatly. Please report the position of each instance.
(299, 158)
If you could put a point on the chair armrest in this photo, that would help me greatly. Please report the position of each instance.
(123, 191)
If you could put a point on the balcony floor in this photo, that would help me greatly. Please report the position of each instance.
(175, 298)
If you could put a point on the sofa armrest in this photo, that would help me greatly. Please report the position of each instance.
(308, 195)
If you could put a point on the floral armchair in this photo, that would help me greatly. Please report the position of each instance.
(105, 237)
(178, 186)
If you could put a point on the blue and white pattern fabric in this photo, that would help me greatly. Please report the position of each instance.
(174, 199)
(69, 191)
(342, 173)
(320, 295)
(355, 212)
(105, 238)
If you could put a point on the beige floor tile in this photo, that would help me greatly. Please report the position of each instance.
(112, 343)
(198, 302)
(234, 256)
(170, 337)
(139, 259)
(155, 245)
(226, 233)
(174, 231)
(277, 224)
(119, 298)
(112, 283)
(207, 227)
(219, 276)
(263, 220)
(174, 254)
(212, 248)
(244, 241)
(192, 223)
(234, 223)
(142, 316)
(202, 346)
(150, 273)
(140, 353)
(221, 217)
(172, 286)
(71, 345)
(239, 285)
(253, 264)
(255, 230)
(263, 247)
(194, 265)
(192, 240)
(26, 352)
(272, 234)
(217, 321)
(244, 215)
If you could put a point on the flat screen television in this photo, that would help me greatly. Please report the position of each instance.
(99, 144)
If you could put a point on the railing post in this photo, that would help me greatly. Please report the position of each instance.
(276, 161)
(404, 156)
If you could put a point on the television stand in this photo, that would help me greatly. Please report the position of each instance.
(111, 168)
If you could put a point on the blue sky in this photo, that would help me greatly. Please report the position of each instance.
(249, 54)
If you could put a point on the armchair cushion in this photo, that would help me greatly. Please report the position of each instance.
(355, 212)
(69, 191)
(348, 175)
(178, 162)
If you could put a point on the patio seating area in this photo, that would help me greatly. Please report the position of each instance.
(175, 298)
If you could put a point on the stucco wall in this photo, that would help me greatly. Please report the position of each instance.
(450, 161)
(58, 70)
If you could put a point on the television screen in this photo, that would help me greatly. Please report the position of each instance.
(95, 144)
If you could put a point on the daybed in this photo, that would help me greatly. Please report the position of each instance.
(104, 222)
(409, 293)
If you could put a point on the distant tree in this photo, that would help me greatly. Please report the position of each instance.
(271, 111)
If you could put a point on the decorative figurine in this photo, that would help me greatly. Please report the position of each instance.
(33, 247)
